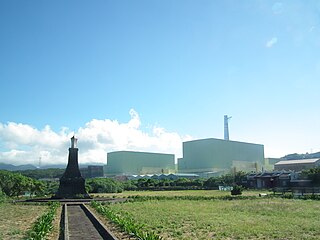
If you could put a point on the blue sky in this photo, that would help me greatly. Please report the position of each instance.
(180, 65)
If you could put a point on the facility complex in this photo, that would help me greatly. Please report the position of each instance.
(205, 158)
(139, 163)
(216, 156)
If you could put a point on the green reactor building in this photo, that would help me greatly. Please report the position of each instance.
(139, 163)
(218, 156)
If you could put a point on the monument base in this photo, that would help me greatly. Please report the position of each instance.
(72, 188)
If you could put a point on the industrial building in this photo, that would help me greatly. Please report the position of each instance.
(139, 163)
(92, 171)
(269, 163)
(171, 176)
(297, 165)
(217, 156)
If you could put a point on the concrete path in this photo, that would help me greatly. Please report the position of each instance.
(80, 226)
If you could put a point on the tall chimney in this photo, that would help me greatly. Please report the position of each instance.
(226, 128)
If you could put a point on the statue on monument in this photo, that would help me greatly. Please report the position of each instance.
(72, 184)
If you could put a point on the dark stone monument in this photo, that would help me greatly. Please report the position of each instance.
(72, 184)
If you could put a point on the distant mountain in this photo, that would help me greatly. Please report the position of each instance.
(53, 166)
(81, 165)
(11, 167)
(296, 156)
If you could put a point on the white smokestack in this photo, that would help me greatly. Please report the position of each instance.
(226, 127)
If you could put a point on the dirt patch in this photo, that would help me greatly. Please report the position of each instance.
(17, 219)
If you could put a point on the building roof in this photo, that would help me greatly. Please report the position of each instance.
(269, 174)
(139, 152)
(221, 140)
(300, 161)
(164, 175)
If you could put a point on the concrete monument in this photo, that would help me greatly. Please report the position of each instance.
(72, 184)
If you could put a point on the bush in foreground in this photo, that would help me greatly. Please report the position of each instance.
(236, 190)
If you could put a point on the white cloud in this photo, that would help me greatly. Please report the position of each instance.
(24, 144)
(271, 42)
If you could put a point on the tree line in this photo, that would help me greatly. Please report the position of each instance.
(15, 184)
(42, 173)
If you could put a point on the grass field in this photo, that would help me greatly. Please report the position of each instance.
(16, 219)
(206, 193)
(220, 219)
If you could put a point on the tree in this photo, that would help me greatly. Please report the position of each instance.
(37, 188)
(313, 174)
(15, 184)
(182, 182)
(239, 177)
(2, 196)
(103, 185)
(227, 179)
(42, 173)
(211, 182)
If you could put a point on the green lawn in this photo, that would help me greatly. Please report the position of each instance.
(16, 219)
(206, 193)
(237, 219)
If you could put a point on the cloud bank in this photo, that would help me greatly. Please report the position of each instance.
(24, 144)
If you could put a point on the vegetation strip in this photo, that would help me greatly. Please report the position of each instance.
(43, 224)
(227, 197)
(193, 198)
(125, 222)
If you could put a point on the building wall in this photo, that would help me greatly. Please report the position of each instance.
(92, 171)
(269, 163)
(129, 162)
(296, 167)
(95, 171)
(216, 154)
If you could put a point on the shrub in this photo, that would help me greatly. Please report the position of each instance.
(236, 190)
(103, 185)
(2, 196)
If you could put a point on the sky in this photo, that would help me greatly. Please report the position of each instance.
(148, 75)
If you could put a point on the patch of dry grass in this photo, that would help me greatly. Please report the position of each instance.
(17, 219)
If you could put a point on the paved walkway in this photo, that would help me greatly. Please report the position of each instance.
(80, 227)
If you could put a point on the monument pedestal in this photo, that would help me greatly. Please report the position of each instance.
(72, 184)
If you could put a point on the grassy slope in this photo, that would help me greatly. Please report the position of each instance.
(237, 219)
(15, 220)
